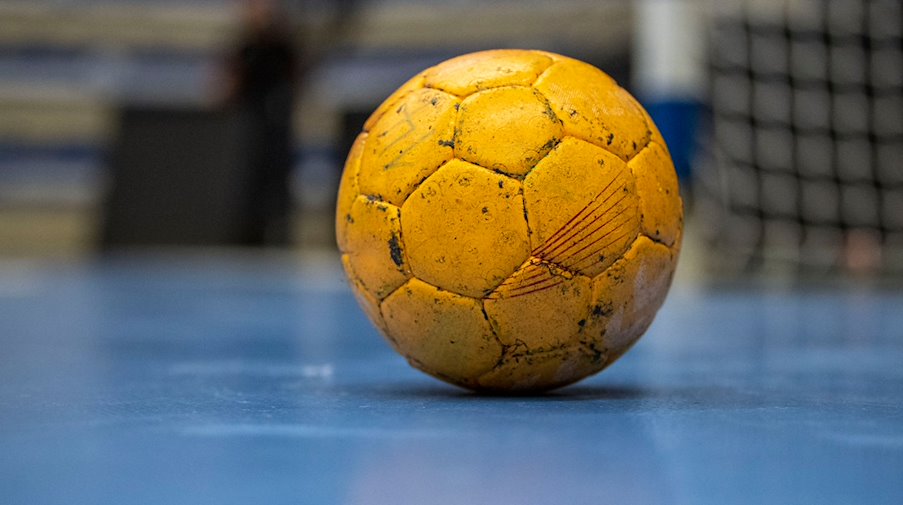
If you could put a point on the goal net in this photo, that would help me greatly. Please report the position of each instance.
(804, 168)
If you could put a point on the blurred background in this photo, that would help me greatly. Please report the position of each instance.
(153, 124)
(175, 326)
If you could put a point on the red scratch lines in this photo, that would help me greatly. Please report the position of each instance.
(580, 244)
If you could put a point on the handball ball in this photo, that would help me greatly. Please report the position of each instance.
(510, 220)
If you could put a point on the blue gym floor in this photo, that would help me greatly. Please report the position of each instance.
(247, 379)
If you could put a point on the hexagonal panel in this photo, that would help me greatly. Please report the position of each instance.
(374, 246)
(464, 228)
(627, 296)
(368, 302)
(506, 129)
(538, 307)
(540, 371)
(657, 187)
(582, 207)
(555, 57)
(348, 190)
(593, 107)
(440, 332)
(654, 134)
(394, 100)
(407, 144)
(487, 69)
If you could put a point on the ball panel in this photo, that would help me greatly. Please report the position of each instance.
(678, 241)
(368, 302)
(487, 69)
(540, 371)
(465, 229)
(374, 246)
(555, 57)
(394, 100)
(594, 108)
(348, 191)
(537, 308)
(654, 134)
(506, 129)
(443, 333)
(581, 206)
(659, 194)
(627, 296)
(407, 144)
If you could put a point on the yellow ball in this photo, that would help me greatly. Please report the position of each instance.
(510, 220)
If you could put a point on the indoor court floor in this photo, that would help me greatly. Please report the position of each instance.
(196, 379)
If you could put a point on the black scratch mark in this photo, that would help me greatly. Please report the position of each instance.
(395, 251)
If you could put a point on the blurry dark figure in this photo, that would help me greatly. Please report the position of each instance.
(261, 75)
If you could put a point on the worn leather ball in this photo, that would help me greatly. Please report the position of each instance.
(510, 220)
